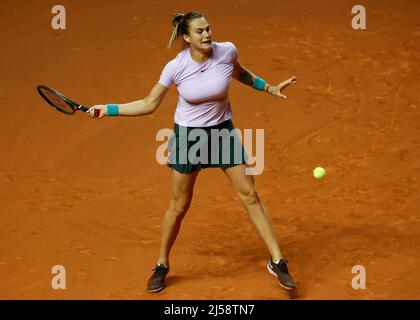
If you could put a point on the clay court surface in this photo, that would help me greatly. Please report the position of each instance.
(89, 195)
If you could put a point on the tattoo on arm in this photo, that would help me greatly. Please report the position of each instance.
(246, 77)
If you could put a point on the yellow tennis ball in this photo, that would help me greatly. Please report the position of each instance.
(319, 172)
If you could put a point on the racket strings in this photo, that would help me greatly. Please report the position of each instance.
(57, 101)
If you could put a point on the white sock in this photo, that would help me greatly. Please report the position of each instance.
(276, 261)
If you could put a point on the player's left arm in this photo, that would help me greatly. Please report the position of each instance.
(245, 76)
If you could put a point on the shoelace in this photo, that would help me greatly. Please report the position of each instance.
(282, 265)
(160, 267)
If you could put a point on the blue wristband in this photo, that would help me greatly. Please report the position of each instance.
(112, 110)
(258, 83)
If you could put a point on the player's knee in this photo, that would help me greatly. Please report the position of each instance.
(249, 196)
(179, 206)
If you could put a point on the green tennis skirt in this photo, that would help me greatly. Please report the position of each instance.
(193, 148)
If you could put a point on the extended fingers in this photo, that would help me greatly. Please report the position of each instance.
(288, 82)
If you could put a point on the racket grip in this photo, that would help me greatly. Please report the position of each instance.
(84, 108)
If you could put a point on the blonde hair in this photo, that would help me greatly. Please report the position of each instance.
(181, 23)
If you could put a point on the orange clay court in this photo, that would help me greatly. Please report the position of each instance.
(90, 196)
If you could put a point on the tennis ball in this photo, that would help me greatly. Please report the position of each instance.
(319, 172)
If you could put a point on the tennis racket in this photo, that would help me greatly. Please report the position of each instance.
(61, 102)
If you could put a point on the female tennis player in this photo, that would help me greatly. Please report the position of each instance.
(202, 72)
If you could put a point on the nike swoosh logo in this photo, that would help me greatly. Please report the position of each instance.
(203, 70)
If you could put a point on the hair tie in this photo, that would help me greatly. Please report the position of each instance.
(177, 18)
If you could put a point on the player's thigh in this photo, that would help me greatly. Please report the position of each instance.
(183, 185)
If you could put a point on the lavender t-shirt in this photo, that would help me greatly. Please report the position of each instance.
(203, 87)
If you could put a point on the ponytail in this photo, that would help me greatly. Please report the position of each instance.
(176, 21)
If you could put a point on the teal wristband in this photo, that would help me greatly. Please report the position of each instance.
(258, 83)
(112, 109)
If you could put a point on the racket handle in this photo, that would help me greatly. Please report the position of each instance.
(84, 108)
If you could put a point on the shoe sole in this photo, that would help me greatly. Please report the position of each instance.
(155, 290)
(274, 274)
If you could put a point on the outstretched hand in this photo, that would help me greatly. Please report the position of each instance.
(277, 91)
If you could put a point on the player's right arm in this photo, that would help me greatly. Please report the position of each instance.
(141, 107)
